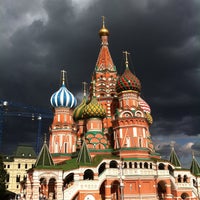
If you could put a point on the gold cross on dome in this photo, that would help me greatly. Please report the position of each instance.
(126, 53)
(63, 72)
(103, 20)
(84, 88)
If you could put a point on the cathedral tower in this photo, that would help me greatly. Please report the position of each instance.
(62, 131)
(104, 78)
(132, 118)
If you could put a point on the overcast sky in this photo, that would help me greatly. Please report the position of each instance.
(38, 38)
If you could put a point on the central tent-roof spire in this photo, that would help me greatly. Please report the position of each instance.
(104, 61)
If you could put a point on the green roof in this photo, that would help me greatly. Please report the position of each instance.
(24, 151)
(44, 157)
(84, 154)
(174, 159)
(73, 163)
(195, 169)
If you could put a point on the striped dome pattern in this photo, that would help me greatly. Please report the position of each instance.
(128, 81)
(78, 112)
(94, 110)
(63, 98)
(144, 105)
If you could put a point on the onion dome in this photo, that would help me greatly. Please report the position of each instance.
(103, 31)
(78, 112)
(149, 118)
(144, 105)
(94, 109)
(128, 81)
(63, 97)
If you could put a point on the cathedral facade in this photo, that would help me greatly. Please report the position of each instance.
(102, 149)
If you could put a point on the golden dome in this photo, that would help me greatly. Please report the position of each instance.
(94, 110)
(103, 31)
(149, 118)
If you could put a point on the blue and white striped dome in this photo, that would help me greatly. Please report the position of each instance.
(63, 98)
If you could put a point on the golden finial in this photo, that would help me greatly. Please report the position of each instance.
(192, 154)
(63, 74)
(103, 31)
(172, 144)
(103, 21)
(93, 87)
(126, 53)
(84, 88)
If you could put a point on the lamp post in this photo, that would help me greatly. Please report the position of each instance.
(121, 184)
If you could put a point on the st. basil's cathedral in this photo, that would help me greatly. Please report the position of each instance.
(102, 149)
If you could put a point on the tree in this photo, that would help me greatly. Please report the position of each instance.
(3, 175)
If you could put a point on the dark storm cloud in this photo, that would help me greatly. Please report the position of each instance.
(41, 38)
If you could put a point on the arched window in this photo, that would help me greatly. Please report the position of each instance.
(102, 167)
(140, 142)
(130, 164)
(88, 175)
(146, 165)
(68, 181)
(150, 165)
(113, 164)
(25, 177)
(7, 177)
(18, 178)
(125, 165)
(140, 165)
(161, 166)
(179, 178)
(135, 164)
(185, 178)
(194, 183)
(170, 169)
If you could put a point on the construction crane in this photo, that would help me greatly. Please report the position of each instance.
(11, 109)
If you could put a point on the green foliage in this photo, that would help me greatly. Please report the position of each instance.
(3, 175)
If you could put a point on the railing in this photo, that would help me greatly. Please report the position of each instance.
(95, 184)
(163, 173)
(70, 192)
(184, 185)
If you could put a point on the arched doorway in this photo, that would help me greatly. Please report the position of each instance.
(115, 190)
(161, 190)
(52, 188)
(102, 190)
(43, 187)
(88, 175)
(68, 181)
(184, 195)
